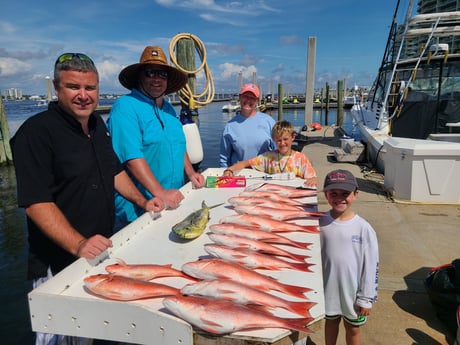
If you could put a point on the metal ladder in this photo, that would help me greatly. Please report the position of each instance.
(413, 75)
(393, 72)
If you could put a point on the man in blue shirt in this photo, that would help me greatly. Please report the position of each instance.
(147, 135)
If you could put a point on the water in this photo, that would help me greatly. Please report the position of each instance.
(14, 316)
(212, 122)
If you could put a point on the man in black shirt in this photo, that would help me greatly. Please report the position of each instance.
(67, 173)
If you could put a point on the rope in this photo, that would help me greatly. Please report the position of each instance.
(186, 95)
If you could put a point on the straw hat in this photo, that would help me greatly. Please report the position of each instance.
(154, 56)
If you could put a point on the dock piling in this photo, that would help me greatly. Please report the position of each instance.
(340, 93)
(310, 83)
(5, 150)
(280, 102)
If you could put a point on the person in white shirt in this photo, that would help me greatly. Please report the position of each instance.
(350, 260)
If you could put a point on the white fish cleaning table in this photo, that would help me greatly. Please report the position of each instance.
(63, 306)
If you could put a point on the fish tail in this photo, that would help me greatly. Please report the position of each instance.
(300, 325)
(300, 308)
(296, 291)
(310, 229)
(296, 244)
(298, 257)
(305, 267)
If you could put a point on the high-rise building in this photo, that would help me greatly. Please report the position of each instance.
(422, 27)
(13, 94)
(433, 6)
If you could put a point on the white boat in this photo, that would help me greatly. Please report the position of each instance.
(42, 103)
(233, 106)
(349, 102)
(413, 107)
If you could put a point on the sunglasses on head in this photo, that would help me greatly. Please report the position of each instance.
(150, 73)
(70, 56)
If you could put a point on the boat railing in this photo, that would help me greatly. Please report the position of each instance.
(430, 17)
(403, 93)
(393, 72)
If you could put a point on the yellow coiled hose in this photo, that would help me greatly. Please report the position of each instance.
(186, 95)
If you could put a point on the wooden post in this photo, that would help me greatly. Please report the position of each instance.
(240, 82)
(5, 150)
(339, 103)
(310, 83)
(280, 102)
(323, 98)
(186, 59)
(49, 93)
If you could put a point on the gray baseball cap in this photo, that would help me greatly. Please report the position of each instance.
(340, 179)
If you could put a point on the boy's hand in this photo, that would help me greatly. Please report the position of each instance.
(363, 311)
(311, 182)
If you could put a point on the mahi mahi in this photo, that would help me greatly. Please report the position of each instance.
(194, 224)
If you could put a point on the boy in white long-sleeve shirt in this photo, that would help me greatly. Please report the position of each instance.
(350, 259)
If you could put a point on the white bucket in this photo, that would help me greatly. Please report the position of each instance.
(345, 141)
(193, 140)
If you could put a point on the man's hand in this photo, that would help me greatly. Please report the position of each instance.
(171, 197)
(155, 205)
(91, 247)
(197, 180)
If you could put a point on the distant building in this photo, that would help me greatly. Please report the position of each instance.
(433, 6)
(13, 94)
(414, 45)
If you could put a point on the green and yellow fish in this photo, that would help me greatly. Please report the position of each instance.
(194, 224)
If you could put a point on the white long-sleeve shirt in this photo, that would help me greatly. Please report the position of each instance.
(350, 259)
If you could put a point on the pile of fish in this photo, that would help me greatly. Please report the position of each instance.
(225, 293)
(129, 282)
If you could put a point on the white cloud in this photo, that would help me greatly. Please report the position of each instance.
(108, 70)
(6, 27)
(230, 71)
(11, 66)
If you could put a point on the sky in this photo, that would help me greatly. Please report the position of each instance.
(265, 38)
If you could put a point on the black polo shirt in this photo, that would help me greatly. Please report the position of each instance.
(57, 162)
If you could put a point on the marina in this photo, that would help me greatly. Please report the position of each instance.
(407, 191)
(15, 320)
(400, 138)
(411, 117)
(413, 238)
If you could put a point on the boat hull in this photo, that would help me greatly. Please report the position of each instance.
(373, 138)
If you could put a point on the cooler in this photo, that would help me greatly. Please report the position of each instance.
(422, 170)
